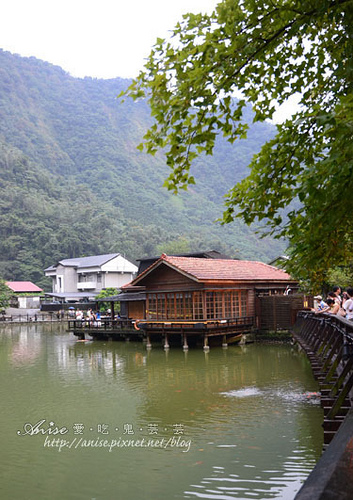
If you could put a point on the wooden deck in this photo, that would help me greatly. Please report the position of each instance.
(185, 333)
(105, 329)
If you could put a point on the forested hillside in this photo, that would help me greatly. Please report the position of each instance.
(73, 183)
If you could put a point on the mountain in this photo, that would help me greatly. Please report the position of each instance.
(73, 182)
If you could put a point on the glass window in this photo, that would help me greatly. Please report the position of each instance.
(188, 306)
(198, 309)
(161, 310)
(235, 305)
(244, 302)
(170, 305)
(152, 306)
(179, 306)
(228, 305)
(218, 303)
(209, 305)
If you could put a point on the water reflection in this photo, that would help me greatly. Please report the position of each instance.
(253, 433)
(26, 348)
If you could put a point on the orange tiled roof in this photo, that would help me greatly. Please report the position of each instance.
(227, 270)
(218, 270)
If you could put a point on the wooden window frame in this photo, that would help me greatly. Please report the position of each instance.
(190, 305)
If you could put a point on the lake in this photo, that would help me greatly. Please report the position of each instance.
(111, 420)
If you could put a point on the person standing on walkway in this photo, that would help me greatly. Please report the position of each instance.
(348, 304)
(337, 291)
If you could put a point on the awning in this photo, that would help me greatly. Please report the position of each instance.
(73, 295)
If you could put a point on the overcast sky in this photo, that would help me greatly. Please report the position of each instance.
(98, 38)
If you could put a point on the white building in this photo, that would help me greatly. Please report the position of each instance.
(85, 277)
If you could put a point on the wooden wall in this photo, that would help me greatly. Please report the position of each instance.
(165, 278)
(278, 312)
(136, 310)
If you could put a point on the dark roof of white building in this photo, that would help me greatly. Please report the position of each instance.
(92, 261)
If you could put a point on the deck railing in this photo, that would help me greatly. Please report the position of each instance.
(328, 342)
(328, 335)
(116, 324)
(193, 325)
(29, 318)
(102, 324)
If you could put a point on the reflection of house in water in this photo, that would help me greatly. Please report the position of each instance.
(26, 347)
(87, 360)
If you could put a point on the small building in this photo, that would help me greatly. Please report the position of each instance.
(201, 289)
(26, 295)
(84, 277)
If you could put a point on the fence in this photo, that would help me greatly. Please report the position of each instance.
(328, 341)
(34, 317)
(279, 312)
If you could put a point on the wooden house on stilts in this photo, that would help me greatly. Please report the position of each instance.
(199, 300)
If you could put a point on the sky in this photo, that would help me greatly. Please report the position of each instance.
(97, 38)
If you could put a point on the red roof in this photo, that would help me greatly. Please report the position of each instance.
(23, 286)
(219, 270)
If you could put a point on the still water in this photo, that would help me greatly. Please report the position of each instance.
(110, 420)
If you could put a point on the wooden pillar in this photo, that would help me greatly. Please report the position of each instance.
(224, 343)
(148, 344)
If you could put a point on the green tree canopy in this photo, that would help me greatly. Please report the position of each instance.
(5, 295)
(269, 50)
(105, 293)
